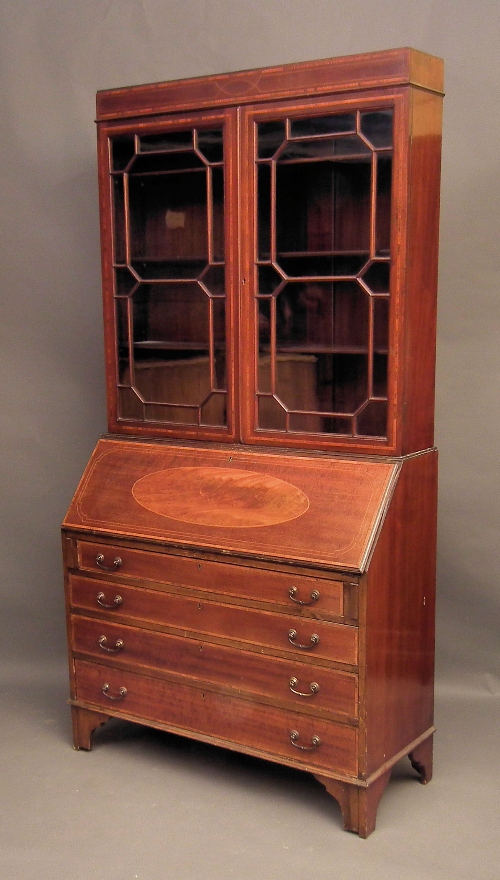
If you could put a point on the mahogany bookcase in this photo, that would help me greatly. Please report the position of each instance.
(250, 554)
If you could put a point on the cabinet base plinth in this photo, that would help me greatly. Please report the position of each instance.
(358, 805)
(85, 721)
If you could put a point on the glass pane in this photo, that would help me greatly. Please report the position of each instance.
(166, 141)
(119, 244)
(176, 315)
(210, 144)
(296, 382)
(130, 405)
(377, 128)
(125, 282)
(214, 280)
(218, 315)
(264, 324)
(377, 277)
(316, 389)
(217, 178)
(292, 199)
(352, 206)
(270, 136)
(269, 280)
(321, 125)
(381, 323)
(264, 378)
(172, 360)
(264, 211)
(171, 389)
(168, 217)
(171, 415)
(122, 151)
(157, 163)
(323, 206)
(350, 316)
(383, 216)
(213, 412)
(306, 423)
(322, 314)
(183, 381)
(372, 420)
(380, 374)
(338, 425)
(319, 266)
(342, 382)
(163, 270)
(122, 325)
(271, 415)
(326, 148)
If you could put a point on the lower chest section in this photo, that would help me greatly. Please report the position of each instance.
(259, 659)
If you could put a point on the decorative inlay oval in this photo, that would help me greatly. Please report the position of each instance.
(221, 497)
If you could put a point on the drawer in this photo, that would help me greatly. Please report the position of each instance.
(312, 595)
(226, 720)
(308, 688)
(299, 636)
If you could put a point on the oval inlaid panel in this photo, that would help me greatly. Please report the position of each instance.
(220, 497)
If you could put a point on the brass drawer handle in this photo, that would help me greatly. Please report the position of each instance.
(116, 601)
(119, 645)
(292, 592)
(313, 688)
(122, 693)
(294, 739)
(117, 563)
(313, 641)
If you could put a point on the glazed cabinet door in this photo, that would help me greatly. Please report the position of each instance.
(321, 283)
(167, 190)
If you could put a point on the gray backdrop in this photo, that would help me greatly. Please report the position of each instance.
(55, 54)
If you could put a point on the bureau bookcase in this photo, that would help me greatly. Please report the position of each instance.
(250, 554)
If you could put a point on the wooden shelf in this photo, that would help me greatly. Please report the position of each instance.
(159, 345)
(324, 349)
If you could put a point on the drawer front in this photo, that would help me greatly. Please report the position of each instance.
(300, 636)
(307, 688)
(314, 596)
(227, 720)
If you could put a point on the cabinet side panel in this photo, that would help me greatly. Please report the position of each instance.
(69, 561)
(106, 225)
(421, 271)
(400, 611)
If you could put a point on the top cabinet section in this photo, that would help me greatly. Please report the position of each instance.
(270, 254)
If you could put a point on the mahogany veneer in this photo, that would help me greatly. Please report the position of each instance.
(250, 554)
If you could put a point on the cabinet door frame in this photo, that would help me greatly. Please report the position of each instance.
(251, 115)
(221, 118)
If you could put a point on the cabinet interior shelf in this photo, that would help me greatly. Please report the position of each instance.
(159, 345)
(381, 256)
(323, 349)
(167, 172)
(310, 160)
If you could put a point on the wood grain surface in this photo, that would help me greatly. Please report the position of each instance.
(220, 497)
(347, 501)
